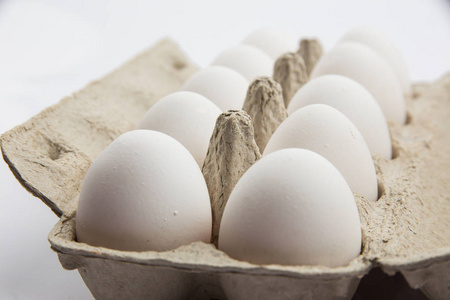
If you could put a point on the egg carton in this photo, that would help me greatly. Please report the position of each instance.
(407, 230)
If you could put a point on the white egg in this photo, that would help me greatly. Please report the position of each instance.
(223, 86)
(274, 42)
(292, 207)
(187, 117)
(325, 130)
(248, 60)
(143, 192)
(355, 102)
(386, 48)
(364, 65)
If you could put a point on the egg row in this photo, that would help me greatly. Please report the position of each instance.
(364, 55)
(146, 192)
(190, 118)
(294, 206)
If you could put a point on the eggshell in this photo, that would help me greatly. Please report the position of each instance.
(274, 42)
(292, 207)
(325, 130)
(187, 117)
(225, 87)
(355, 102)
(386, 48)
(248, 60)
(143, 192)
(364, 65)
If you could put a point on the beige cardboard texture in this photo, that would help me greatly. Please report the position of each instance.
(407, 230)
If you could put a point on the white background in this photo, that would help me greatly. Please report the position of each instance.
(49, 49)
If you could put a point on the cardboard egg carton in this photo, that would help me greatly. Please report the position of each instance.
(407, 230)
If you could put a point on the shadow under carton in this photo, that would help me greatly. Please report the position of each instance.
(407, 230)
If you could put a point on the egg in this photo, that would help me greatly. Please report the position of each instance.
(386, 48)
(143, 192)
(355, 102)
(223, 86)
(292, 207)
(248, 60)
(273, 41)
(325, 130)
(364, 65)
(186, 116)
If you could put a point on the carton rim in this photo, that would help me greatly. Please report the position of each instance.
(68, 245)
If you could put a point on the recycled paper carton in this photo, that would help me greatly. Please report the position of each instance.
(407, 230)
